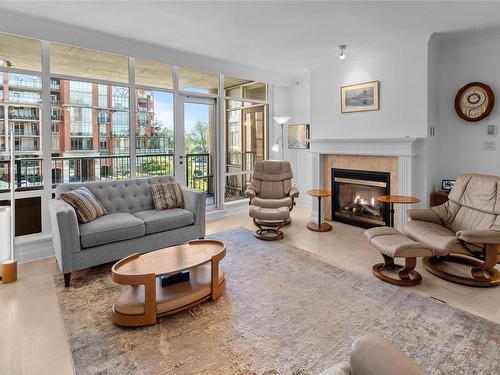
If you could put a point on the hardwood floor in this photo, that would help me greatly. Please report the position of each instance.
(32, 335)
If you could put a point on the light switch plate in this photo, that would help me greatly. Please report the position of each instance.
(489, 146)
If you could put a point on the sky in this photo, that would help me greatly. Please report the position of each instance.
(193, 112)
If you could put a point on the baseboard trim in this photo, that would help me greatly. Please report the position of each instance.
(34, 248)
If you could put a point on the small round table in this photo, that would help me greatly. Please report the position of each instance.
(319, 226)
(399, 199)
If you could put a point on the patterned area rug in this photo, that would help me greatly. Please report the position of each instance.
(283, 312)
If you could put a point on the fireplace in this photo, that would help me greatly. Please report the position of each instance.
(353, 198)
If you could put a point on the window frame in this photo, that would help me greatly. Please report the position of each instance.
(47, 189)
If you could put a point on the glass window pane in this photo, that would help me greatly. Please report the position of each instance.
(199, 82)
(154, 132)
(20, 109)
(20, 52)
(235, 186)
(244, 89)
(154, 74)
(87, 63)
(246, 139)
(90, 131)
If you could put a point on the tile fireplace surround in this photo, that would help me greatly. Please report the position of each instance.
(393, 155)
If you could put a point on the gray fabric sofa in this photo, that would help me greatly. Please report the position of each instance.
(131, 225)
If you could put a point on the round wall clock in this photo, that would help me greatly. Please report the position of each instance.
(474, 101)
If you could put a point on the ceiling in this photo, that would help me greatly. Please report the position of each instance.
(284, 36)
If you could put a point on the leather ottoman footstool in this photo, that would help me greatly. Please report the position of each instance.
(269, 222)
(393, 244)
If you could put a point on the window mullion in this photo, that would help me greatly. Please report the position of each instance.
(46, 133)
(132, 117)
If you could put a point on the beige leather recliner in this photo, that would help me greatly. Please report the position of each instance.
(271, 185)
(466, 229)
(271, 197)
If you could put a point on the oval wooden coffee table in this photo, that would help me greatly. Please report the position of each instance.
(146, 300)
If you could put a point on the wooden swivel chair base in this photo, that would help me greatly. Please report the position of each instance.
(407, 274)
(269, 230)
(483, 272)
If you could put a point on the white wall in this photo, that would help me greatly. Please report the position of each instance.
(294, 101)
(402, 69)
(402, 72)
(465, 58)
(431, 143)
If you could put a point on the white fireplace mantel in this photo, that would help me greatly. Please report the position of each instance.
(365, 146)
(402, 148)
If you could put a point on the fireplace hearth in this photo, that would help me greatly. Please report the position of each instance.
(354, 197)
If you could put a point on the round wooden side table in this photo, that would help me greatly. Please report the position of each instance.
(319, 226)
(399, 199)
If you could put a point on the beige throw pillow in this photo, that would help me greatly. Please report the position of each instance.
(86, 205)
(168, 195)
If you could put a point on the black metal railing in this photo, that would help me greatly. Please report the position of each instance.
(83, 169)
(199, 173)
(95, 168)
(28, 174)
(155, 164)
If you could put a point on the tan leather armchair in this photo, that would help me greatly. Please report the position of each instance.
(271, 185)
(466, 230)
(271, 198)
(374, 355)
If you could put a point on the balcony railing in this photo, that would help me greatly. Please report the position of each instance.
(199, 174)
(95, 168)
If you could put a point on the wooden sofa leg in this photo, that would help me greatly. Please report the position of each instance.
(67, 279)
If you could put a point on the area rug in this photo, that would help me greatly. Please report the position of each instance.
(283, 312)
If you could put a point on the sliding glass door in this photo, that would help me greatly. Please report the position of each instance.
(195, 146)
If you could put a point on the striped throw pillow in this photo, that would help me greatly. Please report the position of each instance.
(168, 195)
(86, 205)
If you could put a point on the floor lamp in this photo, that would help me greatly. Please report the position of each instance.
(9, 267)
(276, 147)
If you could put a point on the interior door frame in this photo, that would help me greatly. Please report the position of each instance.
(180, 136)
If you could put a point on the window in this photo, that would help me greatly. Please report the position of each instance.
(244, 89)
(246, 139)
(153, 74)
(154, 132)
(80, 121)
(80, 93)
(88, 128)
(21, 108)
(87, 63)
(103, 96)
(119, 97)
(197, 81)
(20, 52)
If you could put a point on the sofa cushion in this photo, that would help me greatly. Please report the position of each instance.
(86, 206)
(160, 221)
(111, 228)
(166, 196)
(272, 203)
